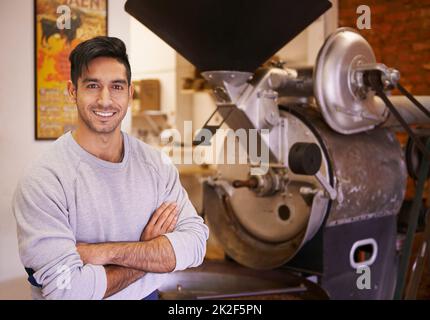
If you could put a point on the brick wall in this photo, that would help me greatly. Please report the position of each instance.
(399, 36)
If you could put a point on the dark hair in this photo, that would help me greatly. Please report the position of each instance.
(97, 47)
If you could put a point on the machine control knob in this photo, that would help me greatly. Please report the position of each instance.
(305, 158)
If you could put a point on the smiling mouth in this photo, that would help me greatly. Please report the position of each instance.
(104, 115)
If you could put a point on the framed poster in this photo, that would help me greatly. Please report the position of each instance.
(60, 25)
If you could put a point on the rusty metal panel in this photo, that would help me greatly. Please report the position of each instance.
(369, 169)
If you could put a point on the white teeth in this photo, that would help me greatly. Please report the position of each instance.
(104, 114)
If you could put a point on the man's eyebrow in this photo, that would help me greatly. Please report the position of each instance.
(120, 81)
(90, 80)
(116, 81)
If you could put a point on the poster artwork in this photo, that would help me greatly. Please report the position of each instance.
(60, 26)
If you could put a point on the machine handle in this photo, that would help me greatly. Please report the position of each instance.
(361, 244)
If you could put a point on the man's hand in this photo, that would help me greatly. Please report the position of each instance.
(162, 221)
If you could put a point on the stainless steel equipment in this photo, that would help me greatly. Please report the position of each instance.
(219, 280)
(336, 174)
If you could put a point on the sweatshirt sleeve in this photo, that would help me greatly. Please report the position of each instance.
(47, 245)
(189, 238)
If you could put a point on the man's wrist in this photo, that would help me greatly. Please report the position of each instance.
(97, 253)
(108, 252)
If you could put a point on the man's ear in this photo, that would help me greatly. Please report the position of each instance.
(72, 90)
(131, 91)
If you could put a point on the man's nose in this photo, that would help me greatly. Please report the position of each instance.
(105, 99)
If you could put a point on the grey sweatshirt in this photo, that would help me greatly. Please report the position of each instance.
(71, 196)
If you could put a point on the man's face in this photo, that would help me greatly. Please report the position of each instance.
(102, 95)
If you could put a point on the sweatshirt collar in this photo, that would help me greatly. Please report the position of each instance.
(85, 155)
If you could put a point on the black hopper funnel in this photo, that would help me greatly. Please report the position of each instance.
(234, 35)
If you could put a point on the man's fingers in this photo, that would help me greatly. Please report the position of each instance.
(160, 221)
(166, 225)
(165, 215)
(172, 225)
(158, 213)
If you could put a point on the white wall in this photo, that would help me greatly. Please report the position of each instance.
(17, 145)
(152, 58)
(304, 48)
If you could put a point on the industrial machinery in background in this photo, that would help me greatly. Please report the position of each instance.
(329, 201)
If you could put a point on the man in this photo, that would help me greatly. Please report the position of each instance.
(102, 214)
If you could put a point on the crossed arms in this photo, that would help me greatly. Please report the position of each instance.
(50, 254)
(126, 262)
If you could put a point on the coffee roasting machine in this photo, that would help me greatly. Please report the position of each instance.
(328, 204)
